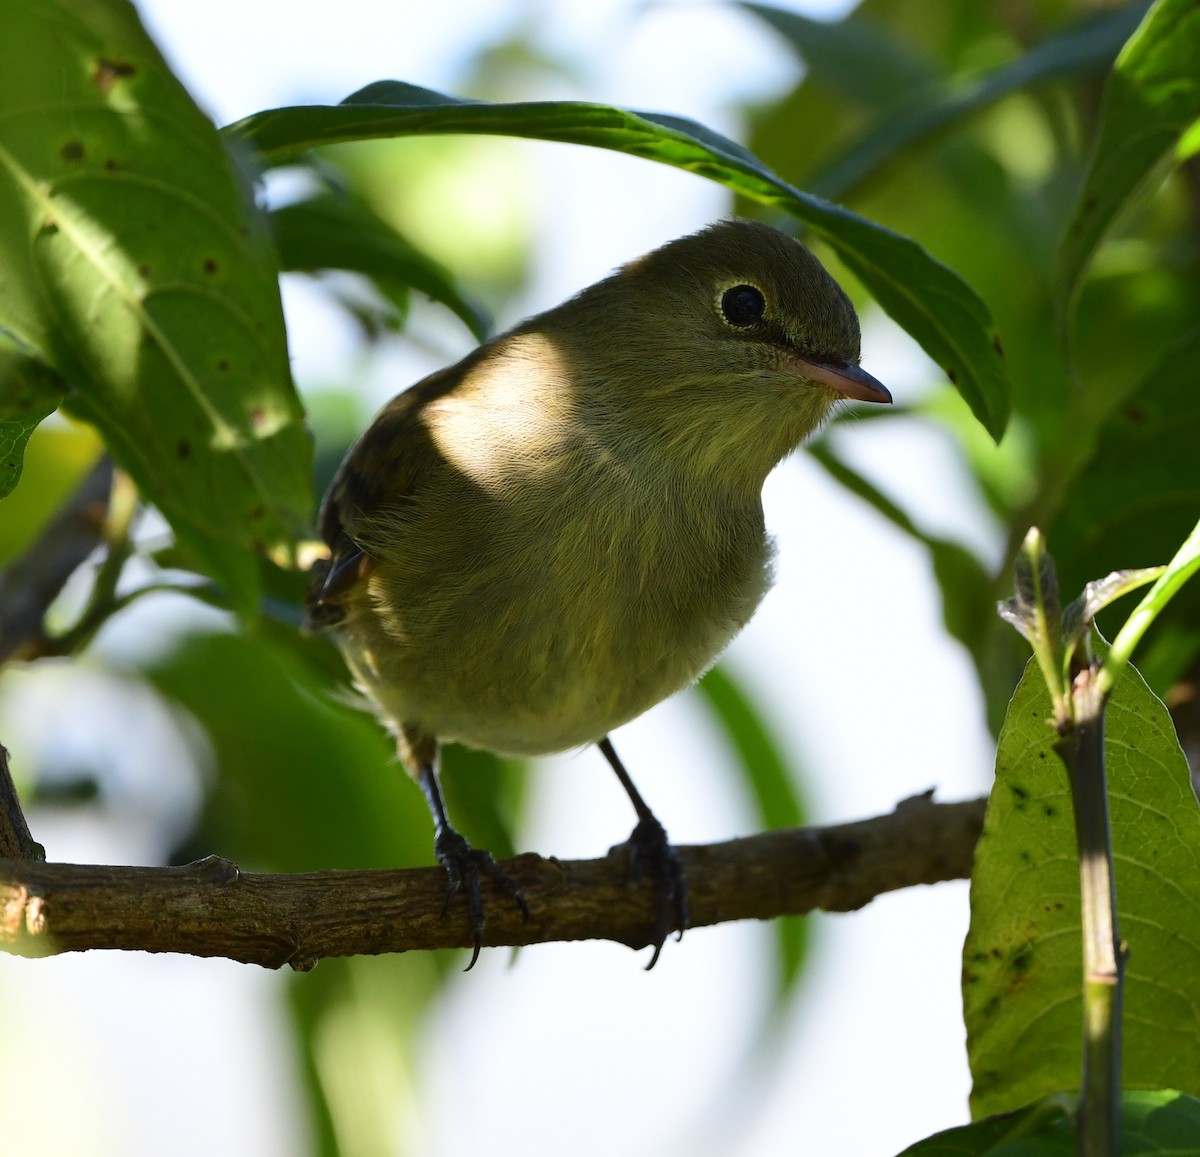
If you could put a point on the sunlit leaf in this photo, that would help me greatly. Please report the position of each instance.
(134, 263)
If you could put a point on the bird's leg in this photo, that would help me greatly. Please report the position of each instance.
(464, 864)
(650, 854)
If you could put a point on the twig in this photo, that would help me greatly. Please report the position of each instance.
(210, 908)
(16, 842)
(33, 581)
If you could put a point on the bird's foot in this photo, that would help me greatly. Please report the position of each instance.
(650, 855)
(465, 868)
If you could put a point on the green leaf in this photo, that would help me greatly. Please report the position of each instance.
(29, 392)
(1022, 962)
(332, 230)
(1091, 44)
(134, 263)
(853, 57)
(929, 300)
(304, 783)
(773, 787)
(1136, 499)
(1159, 1123)
(1153, 96)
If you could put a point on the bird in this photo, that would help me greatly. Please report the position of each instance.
(537, 544)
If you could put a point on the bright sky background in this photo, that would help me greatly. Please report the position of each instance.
(574, 1048)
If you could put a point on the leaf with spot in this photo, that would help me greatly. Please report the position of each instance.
(927, 298)
(29, 392)
(1022, 962)
(135, 264)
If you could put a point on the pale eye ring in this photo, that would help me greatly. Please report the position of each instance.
(743, 305)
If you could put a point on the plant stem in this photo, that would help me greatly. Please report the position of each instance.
(1081, 748)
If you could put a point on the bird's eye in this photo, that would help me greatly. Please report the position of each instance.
(743, 305)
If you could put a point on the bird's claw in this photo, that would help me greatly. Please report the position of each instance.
(465, 867)
(650, 855)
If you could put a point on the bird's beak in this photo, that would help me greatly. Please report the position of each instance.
(846, 378)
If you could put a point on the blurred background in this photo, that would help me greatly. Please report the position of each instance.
(871, 673)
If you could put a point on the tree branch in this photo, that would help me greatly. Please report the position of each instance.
(211, 908)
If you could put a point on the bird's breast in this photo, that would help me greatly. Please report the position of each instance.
(544, 587)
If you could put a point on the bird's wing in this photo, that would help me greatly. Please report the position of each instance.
(380, 472)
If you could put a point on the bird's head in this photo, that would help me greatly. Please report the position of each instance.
(725, 348)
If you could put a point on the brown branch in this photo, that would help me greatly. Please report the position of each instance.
(16, 842)
(210, 908)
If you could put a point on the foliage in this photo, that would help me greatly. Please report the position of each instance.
(1021, 959)
(1044, 161)
(1155, 1125)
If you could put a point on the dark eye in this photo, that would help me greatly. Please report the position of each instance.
(742, 305)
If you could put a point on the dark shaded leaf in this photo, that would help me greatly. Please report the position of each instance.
(29, 392)
(1136, 499)
(1153, 95)
(332, 230)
